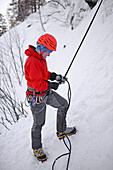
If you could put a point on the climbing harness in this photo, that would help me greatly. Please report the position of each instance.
(69, 89)
(33, 97)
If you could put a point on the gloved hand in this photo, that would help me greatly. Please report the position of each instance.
(60, 79)
(57, 77)
(53, 76)
(53, 85)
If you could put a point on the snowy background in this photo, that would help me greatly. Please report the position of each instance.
(91, 110)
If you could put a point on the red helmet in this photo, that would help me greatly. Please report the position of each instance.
(49, 41)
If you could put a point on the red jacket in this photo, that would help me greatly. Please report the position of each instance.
(36, 71)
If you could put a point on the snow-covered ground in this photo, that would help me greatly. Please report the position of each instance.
(91, 110)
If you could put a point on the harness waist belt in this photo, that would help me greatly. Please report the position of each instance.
(31, 90)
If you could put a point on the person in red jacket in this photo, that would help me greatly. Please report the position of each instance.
(40, 92)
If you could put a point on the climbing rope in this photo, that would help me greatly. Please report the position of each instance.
(83, 38)
(65, 154)
(69, 148)
(69, 89)
(69, 93)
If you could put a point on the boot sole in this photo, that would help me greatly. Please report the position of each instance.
(39, 159)
(68, 134)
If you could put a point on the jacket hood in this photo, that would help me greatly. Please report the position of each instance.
(31, 52)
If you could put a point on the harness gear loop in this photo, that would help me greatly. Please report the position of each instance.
(40, 100)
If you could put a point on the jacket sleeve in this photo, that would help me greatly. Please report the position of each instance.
(49, 73)
(36, 78)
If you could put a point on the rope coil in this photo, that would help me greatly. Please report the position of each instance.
(69, 153)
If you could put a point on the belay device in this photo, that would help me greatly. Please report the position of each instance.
(69, 89)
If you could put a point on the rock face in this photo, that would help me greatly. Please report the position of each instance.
(91, 3)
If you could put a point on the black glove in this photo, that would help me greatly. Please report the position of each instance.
(53, 85)
(57, 77)
(53, 76)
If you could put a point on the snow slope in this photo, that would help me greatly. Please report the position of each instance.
(91, 110)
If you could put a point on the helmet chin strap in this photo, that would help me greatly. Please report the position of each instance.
(40, 52)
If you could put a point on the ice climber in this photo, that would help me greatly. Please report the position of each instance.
(40, 92)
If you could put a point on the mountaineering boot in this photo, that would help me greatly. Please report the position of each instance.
(41, 156)
(69, 131)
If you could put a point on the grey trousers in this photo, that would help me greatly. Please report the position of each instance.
(39, 111)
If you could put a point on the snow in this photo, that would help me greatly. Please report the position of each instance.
(91, 110)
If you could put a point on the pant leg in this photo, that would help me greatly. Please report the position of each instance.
(38, 113)
(56, 101)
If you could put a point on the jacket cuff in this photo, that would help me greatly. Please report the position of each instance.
(53, 76)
